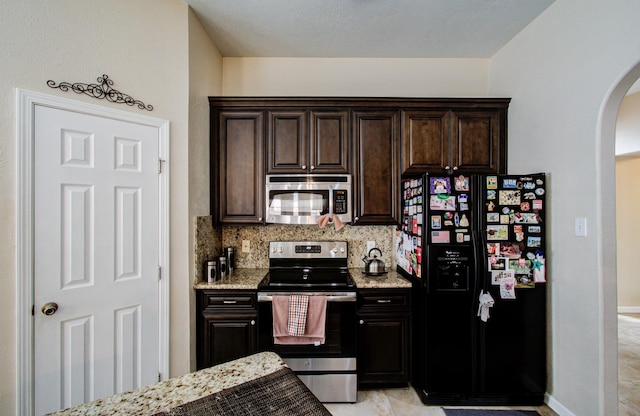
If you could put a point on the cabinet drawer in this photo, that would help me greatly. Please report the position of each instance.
(385, 300)
(229, 301)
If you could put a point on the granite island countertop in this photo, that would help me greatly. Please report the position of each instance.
(168, 394)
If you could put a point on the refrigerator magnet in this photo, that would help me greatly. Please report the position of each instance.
(493, 249)
(497, 232)
(511, 250)
(493, 217)
(507, 288)
(498, 263)
(436, 222)
(491, 194)
(537, 204)
(529, 195)
(461, 183)
(440, 185)
(509, 183)
(499, 275)
(492, 182)
(534, 242)
(440, 237)
(524, 281)
(509, 197)
(538, 267)
(464, 221)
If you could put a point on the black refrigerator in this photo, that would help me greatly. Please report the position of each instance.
(474, 246)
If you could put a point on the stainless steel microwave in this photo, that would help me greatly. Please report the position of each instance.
(304, 199)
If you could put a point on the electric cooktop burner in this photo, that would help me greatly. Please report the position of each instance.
(307, 265)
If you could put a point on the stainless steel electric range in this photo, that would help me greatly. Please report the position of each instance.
(314, 268)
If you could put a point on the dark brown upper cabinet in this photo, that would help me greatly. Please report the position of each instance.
(240, 167)
(307, 141)
(376, 175)
(451, 140)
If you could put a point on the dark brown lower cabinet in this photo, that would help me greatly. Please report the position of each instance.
(384, 337)
(227, 329)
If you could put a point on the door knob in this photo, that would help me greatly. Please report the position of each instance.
(49, 308)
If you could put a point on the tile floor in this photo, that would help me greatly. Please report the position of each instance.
(629, 364)
(405, 402)
(401, 402)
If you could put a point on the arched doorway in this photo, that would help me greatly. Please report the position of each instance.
(607, 224)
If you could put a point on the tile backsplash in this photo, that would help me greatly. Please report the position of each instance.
(208, 243)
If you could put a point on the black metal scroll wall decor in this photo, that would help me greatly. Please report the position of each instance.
(101, 91)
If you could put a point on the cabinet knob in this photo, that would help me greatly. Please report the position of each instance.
(455, 168)
(356, 219)
(253, 322)
(259, 218)
(384, 300)
(447, 167)
(361, 322)
(304, 166)
(312, 167)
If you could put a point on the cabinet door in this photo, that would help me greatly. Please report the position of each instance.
(227, 337)
(376, 176)
(425, 141)
(383, 353)
(478, 142)
(287, 142)
(329, 141)
(241, 167)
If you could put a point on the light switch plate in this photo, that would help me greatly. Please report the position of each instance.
(581, 227)
(246, 246)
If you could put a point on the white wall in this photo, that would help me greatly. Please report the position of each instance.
(205, 79)
(143, 46)
(355, 77)
(562, 72)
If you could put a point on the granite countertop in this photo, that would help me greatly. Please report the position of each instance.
(249, 279)
(167, 394)
(390, 280)
(239, 279)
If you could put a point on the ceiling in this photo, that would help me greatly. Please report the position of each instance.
(364, 28)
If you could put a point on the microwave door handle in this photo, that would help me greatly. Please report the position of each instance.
(330, 205)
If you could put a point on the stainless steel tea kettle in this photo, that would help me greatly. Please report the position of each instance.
(373, 266)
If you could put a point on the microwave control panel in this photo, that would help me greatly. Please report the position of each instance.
(339, 201)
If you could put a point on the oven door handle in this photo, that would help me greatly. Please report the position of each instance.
(331, 297)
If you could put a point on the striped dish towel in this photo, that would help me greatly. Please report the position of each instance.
(298, 306)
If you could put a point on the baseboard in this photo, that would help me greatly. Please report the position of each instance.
(556, 406)
(628, 309)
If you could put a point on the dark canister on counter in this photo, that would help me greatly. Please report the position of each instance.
(211, 271)
(223, 269)
(230, 255)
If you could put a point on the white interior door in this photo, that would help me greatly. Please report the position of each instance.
(96, 256)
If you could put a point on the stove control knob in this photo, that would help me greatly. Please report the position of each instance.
(280, 250)
(334, 250)
(342, 250)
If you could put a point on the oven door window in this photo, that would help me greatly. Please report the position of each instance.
(297, 207)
